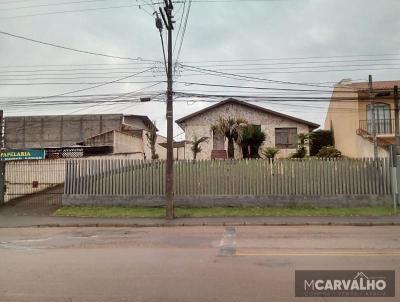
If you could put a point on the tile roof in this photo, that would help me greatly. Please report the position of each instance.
(262, 109)
(378, 85)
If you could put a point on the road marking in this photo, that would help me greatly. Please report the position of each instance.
(227, 246)
(32, 240)
(327, 254)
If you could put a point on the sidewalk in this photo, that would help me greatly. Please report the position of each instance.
(50, 221)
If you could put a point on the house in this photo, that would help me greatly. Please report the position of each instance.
(349, 116)
(281, 130)
(80, 135)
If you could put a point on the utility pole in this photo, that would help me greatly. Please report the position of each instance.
(372, 102)
(396, 117)
(167, 17)
(2, 163)
(395, 150)
(1, 129)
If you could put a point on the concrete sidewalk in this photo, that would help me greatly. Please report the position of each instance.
(50, 221)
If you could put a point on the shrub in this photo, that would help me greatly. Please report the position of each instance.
(329, 152)
(301, 151)
(270, 152)
(319, 139)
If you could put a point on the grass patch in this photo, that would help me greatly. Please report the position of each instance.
(155, 212)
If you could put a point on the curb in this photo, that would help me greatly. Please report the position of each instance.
(212, 224)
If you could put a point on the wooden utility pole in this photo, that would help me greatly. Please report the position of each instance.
(396, 117)
(167, 17)
(395, 151)
(2, 163)
(1, 129)
(372, 102)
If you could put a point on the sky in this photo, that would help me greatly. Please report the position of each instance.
(317, 42)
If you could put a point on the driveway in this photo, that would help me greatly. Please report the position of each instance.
(39, 204)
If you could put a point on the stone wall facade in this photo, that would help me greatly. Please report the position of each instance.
(200, 125)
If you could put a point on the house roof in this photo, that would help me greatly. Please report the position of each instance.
(246, 104)
(175, 144)
(145, 120)
(378, 85)
(102, 134)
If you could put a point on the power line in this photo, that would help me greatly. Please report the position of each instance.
(298, 63)
(253, 87)
(51, 4)
(296, 58)
(69, 11)
(123, 95)
(203, 66)
(92, 87)
(73, 49)
(180, 24)
(304, 67)
(69, 83)
(247, 77)
(16, 1)
(184, 29)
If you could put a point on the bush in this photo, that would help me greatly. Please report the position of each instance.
(270, 152)
(301, 151)
(319, 139)
(329, 152)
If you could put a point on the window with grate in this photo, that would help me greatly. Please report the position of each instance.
(286, 138)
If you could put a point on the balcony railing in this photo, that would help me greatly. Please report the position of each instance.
(383, 126)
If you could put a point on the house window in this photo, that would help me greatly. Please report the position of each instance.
(286, 138)
(382, 118)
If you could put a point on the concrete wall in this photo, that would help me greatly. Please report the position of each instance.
(61, 131)
(135, 122)
(343, 116)
(56, 131)
(200, 125)
(104, 139)
(237, 201)
(125, 143)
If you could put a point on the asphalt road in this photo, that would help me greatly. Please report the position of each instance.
(184, 264)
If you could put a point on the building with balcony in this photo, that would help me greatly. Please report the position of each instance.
(350, 117)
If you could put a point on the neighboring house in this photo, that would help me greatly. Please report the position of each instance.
(179, 148)
(350, 118)
(281, 130)
(80, 135)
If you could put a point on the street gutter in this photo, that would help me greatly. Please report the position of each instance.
(51, 221)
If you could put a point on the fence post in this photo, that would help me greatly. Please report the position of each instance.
(395, 173)
(2, 181)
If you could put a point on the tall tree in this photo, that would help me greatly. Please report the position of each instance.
(232, 129)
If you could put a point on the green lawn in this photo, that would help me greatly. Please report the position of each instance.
(87, 211)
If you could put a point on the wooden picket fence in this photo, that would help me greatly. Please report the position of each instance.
(317, 177)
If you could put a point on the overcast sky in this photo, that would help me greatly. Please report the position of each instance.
(279, 32)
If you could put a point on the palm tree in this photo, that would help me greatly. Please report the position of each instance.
(196, 145)
(252, 139)
(231, 128)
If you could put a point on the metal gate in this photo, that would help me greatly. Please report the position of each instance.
(32, 184)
